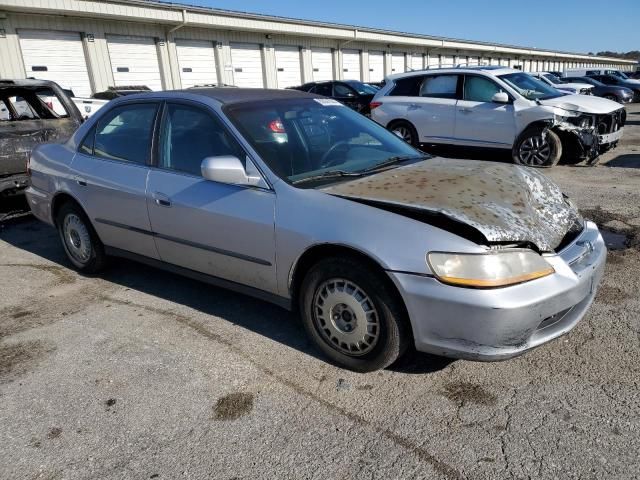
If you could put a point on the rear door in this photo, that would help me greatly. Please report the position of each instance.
(218, 229)
(110, 173)
(481, 122)
(433, 110)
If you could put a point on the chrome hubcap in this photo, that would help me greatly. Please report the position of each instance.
(346, 317)
(403, 133)
(535, 151)
(76, 238)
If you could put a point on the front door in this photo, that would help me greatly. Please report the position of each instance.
(110, 177)
(218, 229)
(481, 122)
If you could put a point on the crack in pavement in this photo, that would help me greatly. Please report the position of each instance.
(438, 465)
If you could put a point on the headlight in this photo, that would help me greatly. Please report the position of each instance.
(487, 270)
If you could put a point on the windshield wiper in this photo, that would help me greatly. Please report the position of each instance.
(325, 175)
(392, 161)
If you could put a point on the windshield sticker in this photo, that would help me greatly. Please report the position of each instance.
(328, 102)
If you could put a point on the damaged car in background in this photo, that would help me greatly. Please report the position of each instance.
(29, 116)
(377, 246)
(498, 107)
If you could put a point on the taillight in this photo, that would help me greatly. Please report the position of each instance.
(276, 126)
(374, 105)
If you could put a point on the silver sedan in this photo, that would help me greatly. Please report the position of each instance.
(298, 200)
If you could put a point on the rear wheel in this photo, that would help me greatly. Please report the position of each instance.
(405, 131)
(81, 243)
(537, 147)
(353, 315)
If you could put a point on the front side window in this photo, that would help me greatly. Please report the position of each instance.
(439, 86)
(552, 78)
(125, 132)
(530, 87)
(362, 88)
(479, 89)
(323, 89)
(189, 135)
(303, 138)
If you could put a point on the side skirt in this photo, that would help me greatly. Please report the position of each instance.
(283, 302)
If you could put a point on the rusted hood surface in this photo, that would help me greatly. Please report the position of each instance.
(506, 203)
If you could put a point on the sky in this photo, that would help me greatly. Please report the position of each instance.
(569, 25)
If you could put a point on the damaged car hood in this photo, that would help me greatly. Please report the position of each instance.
(505, 203)
(583, 103)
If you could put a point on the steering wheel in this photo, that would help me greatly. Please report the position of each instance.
(324, 163)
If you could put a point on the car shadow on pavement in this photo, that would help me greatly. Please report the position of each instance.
(628, 160)
(252, 314)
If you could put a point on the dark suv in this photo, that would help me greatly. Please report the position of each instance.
(352, 93)
(620, 82)
(610, 92)
(31, 112)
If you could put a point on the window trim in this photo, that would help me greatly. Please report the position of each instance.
(490, 79)
(94, 128)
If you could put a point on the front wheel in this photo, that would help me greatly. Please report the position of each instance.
(613, 98)
(81, 243)
(537, 147)
(353, 315)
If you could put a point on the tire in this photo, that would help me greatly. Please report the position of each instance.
(537, 147)
(79, 240)
(406, 131)
(335, 296)
(613, 98)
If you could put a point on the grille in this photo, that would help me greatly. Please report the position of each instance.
(611, 122)
(585, 91)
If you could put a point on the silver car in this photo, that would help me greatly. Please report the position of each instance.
(299, 200)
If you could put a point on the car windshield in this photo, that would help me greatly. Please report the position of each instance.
(362, 88)
(530, 87)
(302, 140)
(552, 78)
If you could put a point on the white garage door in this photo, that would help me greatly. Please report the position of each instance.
(351, 65)
(57, 56)
(197, 62)
(434, 61)
(376, 66)
(417, 61)
(397, 62)
(134, 61)
(474, 61)
(246, 59)
(288, 66)
(322, 64)
(447, 61)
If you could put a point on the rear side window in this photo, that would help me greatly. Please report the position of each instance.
(407, 87)
(189, 135)
(439, 86)
(125, 132)
(479, 89)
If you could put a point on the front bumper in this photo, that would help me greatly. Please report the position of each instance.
(610, 138)
(497, 324)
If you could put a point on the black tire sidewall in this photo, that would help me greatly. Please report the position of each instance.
(394, 334)
(97, 258)
(414, 133)
(554, 143)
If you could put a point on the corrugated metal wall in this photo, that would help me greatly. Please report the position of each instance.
(94, 33)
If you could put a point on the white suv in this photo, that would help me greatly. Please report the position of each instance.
(496, 107)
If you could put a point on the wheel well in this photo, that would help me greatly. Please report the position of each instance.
(319, 252)
(398, 120)
(58, 201)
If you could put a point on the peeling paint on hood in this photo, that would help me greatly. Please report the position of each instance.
(506, 203)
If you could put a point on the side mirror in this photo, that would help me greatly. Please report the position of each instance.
(229, 169)
(500, 97)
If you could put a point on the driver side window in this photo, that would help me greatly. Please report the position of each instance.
(189, 135)
(479, 89)
(340, 90)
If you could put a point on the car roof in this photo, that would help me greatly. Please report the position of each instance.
(27, 82)
(228, 96)
(493, 69)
